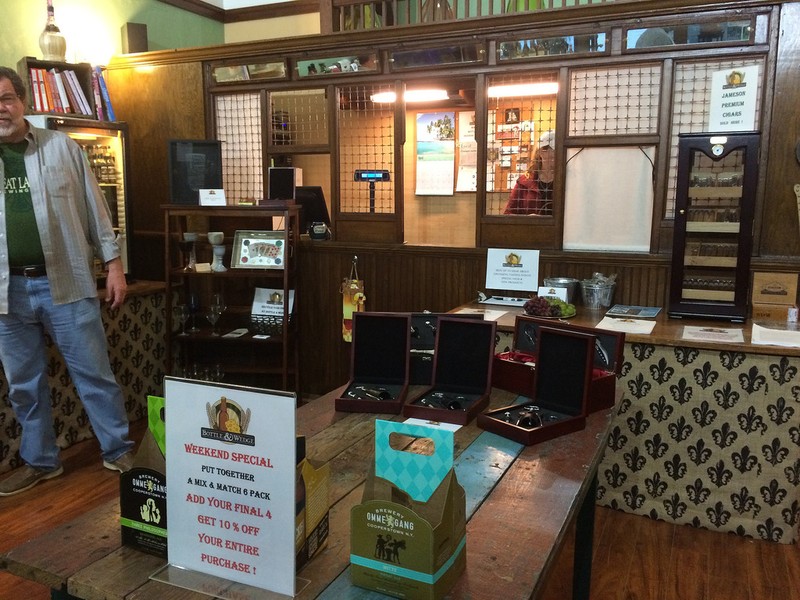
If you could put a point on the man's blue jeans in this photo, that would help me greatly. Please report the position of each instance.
(77, 330)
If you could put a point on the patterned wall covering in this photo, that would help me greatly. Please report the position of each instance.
(705, 438)
(709, 439)
(135, 335)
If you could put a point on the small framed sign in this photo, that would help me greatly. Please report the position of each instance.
(258, 250)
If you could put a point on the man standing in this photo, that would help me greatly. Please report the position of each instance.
(53, 223)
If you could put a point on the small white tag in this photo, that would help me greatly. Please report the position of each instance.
(212, 197)
(553, 292)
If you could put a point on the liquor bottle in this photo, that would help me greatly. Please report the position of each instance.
(52, 41)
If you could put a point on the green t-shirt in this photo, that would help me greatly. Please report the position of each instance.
(24, 243)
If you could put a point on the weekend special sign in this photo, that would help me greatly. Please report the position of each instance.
(230, 454)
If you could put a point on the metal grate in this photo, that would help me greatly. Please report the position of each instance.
(690, 99)
(618, 101)
(299, 117)
(238, 118)
(366, 141)
(515, 125)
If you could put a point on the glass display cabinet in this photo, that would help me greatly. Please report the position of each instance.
(713, 238)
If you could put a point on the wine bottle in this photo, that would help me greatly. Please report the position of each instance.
(52, 42)
(223, 414)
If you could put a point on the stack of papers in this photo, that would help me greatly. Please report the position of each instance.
(639, 326)
(638, 312)
(776, 333)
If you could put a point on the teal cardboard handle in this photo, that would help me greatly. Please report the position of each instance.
(417, 474)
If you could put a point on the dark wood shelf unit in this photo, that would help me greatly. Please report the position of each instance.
(268, 362)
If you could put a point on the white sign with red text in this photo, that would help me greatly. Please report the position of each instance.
(230, 454)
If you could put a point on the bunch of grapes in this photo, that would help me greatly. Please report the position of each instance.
(540, 306)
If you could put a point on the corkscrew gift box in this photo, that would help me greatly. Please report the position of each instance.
(559, 402)
(462, 378)
(408, 535)
(514, 369)
(379, 363)
(423, 344)
(607, 360)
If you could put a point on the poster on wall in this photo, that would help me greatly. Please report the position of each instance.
(733, 99)
(467, 180)
(231, 479)
(436, 149)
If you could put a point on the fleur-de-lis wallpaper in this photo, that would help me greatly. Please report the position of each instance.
(135, 335)
(708, 439)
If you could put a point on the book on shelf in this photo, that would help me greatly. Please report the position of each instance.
(83, 101)
(50, 89)
(109, 109)
(628, 311)
(98, 100)
(36, 94)
(66, 107)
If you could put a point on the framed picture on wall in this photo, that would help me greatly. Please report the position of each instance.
(512, 116)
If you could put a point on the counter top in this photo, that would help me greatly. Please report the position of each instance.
(667, 332)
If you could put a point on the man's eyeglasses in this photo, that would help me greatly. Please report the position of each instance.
(9, 99)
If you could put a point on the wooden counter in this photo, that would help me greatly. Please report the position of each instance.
(706, 433)
(517, 498)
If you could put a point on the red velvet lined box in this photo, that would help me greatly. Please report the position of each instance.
(560, 397)
(462, 372)
(607, 361)
(379, 363)
(514, 370)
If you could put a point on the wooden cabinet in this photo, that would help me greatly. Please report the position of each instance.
(715, 197)
(249, 344)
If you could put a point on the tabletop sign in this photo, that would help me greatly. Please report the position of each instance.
(231, 483)
(212, 197)
(512, 270)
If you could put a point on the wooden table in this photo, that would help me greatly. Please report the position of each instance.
(521, 503)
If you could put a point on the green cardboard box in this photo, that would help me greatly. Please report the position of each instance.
(408, 535)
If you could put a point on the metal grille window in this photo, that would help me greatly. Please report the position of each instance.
(618, 101)
(521, 116)
(690, 99)
(366, 141)
(238, 118)
(299, 118)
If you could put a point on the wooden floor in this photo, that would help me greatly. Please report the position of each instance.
(635, 558)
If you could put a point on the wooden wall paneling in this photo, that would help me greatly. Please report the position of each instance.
(780, 236)
(401, 279)
(159, 103)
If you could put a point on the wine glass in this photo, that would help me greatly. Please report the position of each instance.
(215, 310)
(194, 308)
(182, 314)
(213, 315)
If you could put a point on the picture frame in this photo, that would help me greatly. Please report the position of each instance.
(512, 116)
(258, 250)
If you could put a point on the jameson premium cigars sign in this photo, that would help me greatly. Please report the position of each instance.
(231, 483)
(733, 99)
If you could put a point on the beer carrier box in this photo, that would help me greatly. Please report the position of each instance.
(143, 489)
(313, 506)
(408, 535)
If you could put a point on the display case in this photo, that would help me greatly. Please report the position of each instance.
(713, 238)
(232, 295)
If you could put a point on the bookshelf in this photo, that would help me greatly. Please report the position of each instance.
(31, 69)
